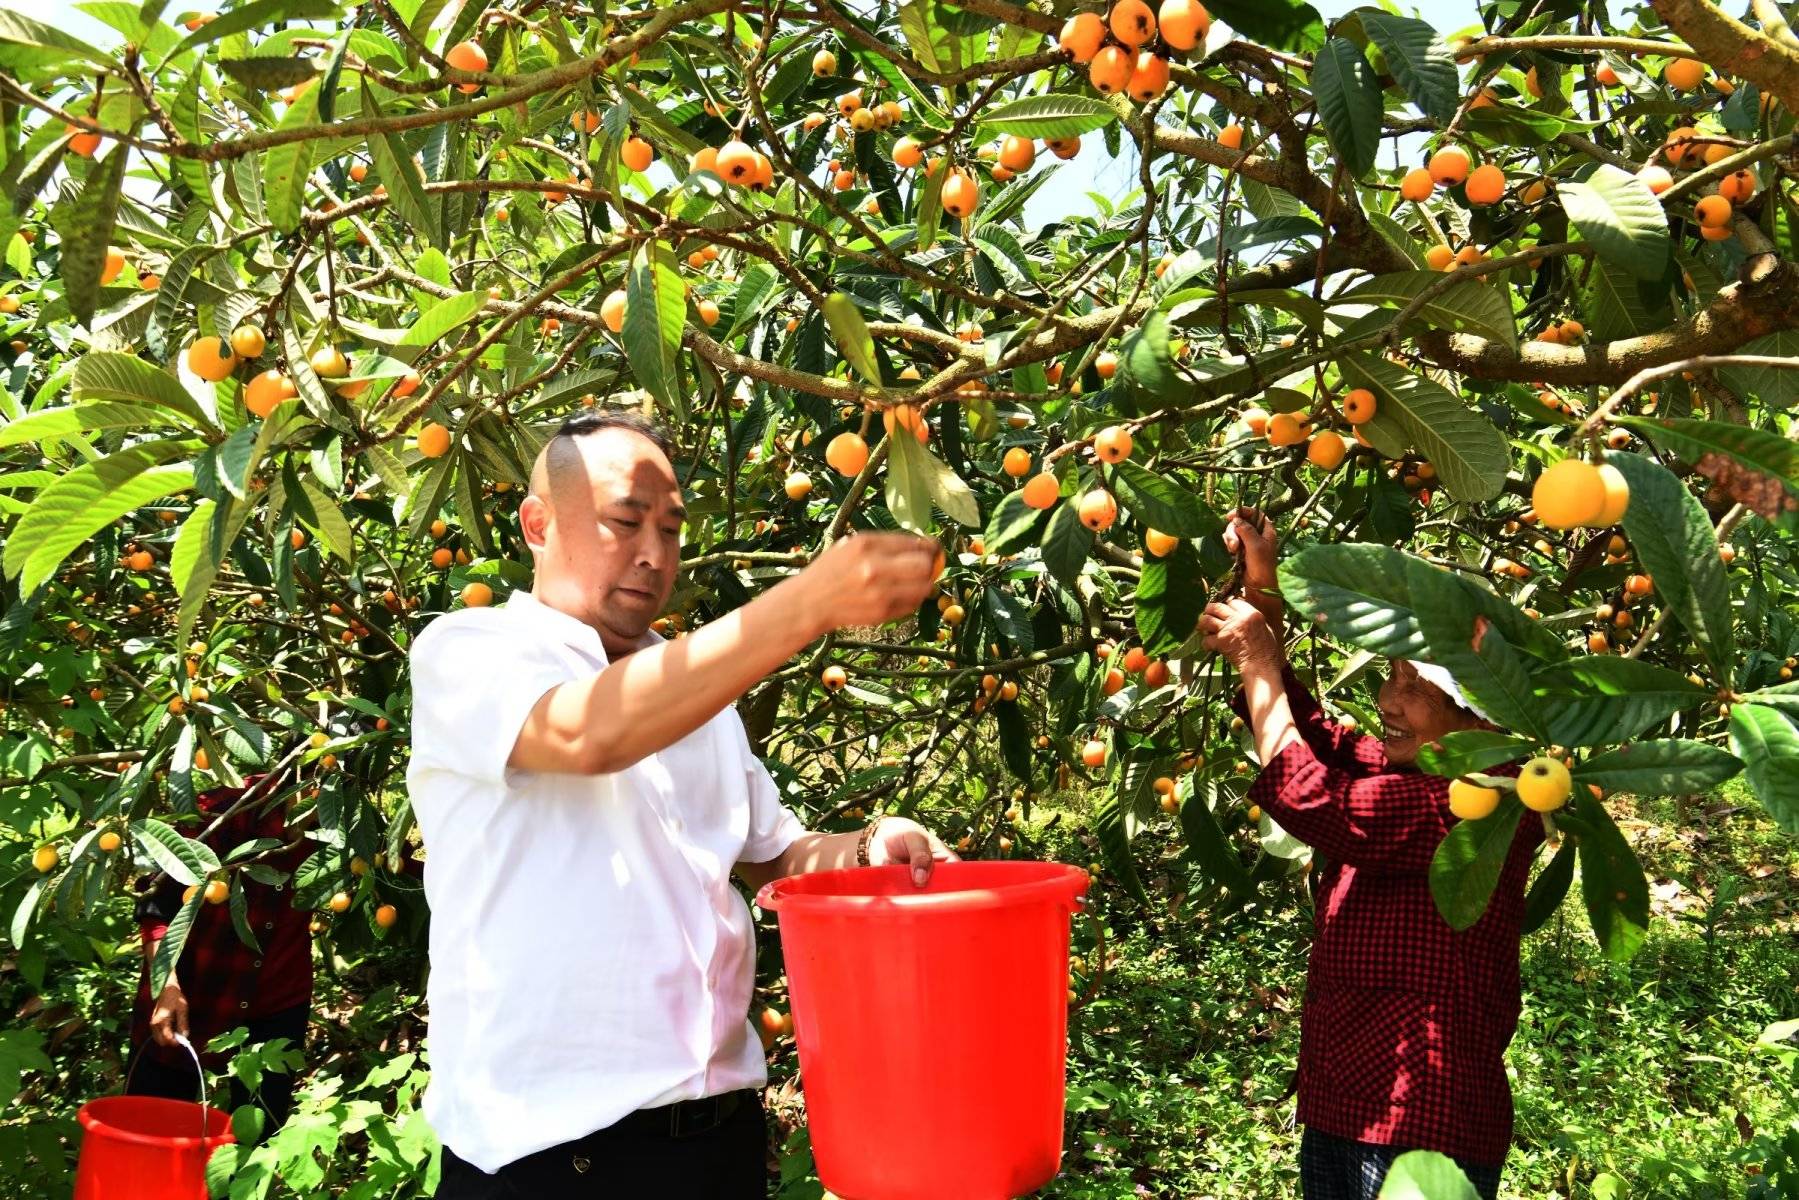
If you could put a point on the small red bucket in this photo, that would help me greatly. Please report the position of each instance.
(932, 1024)
(147, 1148)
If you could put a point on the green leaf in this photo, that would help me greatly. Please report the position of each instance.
(1673, 539)
(1759, 450)
(1161, 502)
(1768, 743)
(1603, 699)
(81, 503)
(287, 167)
(332, 527)
(908, 485)
(931, 44)
(47, 424)
(255, 16)
(443, 317)
(1349, 102)
(1661, 767)
(1469, 452)
(1483, 663)
(1010, 525)
(1617, 304)
(1065, 543)
(1206, 841)
(1356, 593)
(1426, 1174)
(851, 334)
(174, 940)
(1115, 842)
(1468, 863)
(1282, 24)
(1145, 363)
(1620, 216)
(84, 224)
(1419, 59)
(184, 860)
(1771, 385)
(1549, 888)
(403, 177)
(19, 29)
(1611, 879)
(1469, 307)
(915, 477)
(1456, 754)
(1048, 116)
(1171, 593)
(103, 375)
(655, 317)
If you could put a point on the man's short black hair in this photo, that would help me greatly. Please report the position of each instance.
(585, 423)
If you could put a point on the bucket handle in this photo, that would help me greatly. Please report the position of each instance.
(1098, 974)
(199, 1073)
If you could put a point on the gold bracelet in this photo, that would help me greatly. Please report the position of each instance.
(868, 835)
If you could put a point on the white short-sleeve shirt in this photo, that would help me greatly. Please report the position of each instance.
(589, 953)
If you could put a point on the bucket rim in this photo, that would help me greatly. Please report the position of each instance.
(1063, 882)
(96, 1122)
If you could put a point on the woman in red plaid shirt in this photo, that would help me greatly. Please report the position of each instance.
(1405, 1024)
(220, 981)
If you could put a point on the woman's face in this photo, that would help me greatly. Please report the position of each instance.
(1414, 713)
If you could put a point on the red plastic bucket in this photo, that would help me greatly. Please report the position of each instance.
(147, 1148)
(932, 1024)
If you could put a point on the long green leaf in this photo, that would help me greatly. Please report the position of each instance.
(1349, 102)
(1049, 116)
(185, 860)
(84, 223)
(1611, 880)
(1482, 661)
(1660, 768)
(443, 317)
(19, 29)
(174, 940)
(655, 317)
(1759, 450)
(104, 375)
(1620, 216)
(1456, 754)
(78, 505)
(287, 167)
(1604, 699)
(1468, 450)
(1768, 743)
(1162, 503)
(1673, 539)
(850, 332)
(1469, 307)
(1283, 24)
(1419, 59)
(48, 423)
(1356, 593)
(1468, 863)
(403, 178)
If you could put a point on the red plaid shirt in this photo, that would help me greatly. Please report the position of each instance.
(1405, 1023)
(226, 981)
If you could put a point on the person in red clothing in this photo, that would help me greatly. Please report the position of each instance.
(1405, 1022)
(220, 981)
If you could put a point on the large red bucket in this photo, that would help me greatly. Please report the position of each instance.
(147, 1148)
(932, 1024)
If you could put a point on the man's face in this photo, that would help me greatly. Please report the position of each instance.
(1413, 713)
(609, 541)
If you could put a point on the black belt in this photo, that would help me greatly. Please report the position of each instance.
(686, 1118)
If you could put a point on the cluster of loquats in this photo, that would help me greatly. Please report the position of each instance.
(1127, 50)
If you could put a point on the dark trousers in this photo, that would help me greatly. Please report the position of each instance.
(148, 1075)
(1334, 1168)
(725, 1162)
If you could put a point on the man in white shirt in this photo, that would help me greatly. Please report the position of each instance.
(586, 791)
